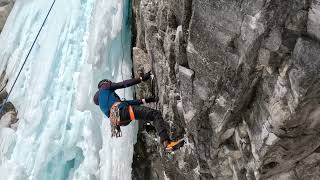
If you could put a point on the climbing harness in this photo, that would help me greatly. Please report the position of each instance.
(115, 121)
(25, 60)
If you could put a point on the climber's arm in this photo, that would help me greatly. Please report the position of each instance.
(142, 101)
(135, 102)
(125, 83)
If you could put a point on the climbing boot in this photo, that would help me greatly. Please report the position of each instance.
(174, 145)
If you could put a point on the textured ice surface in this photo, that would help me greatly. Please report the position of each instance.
(62, 134)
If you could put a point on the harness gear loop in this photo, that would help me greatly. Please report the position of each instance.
(115, 120)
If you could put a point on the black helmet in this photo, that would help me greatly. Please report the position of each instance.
(102, 82)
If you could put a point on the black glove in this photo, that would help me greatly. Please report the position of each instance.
(151, 99)
(146, 76)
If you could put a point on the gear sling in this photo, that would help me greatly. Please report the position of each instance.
(115, 120)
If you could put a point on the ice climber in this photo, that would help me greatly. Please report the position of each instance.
(121, 113)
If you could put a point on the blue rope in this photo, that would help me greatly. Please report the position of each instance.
(34, 42)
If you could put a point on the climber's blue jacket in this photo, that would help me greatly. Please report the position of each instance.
(106, 96)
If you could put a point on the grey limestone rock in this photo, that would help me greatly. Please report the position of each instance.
(8, 113)
(314, 19)
(240, 81)
(5, 8)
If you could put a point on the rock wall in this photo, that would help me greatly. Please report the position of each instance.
(8, 113)
(5, 8)
(240, 80)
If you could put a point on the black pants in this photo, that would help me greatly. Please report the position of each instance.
(146, 114)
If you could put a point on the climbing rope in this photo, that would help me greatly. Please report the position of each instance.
(124, 90)
(25, 60)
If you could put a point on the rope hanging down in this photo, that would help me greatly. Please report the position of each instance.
(25, 60)
(124, 90)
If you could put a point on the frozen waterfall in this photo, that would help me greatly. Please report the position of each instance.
(62, 134)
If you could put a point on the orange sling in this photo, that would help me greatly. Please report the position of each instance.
(131, 113)
(115, 115)
(115, 119)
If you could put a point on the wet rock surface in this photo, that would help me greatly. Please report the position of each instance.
(239, 80)
(5, 8)
(8, 113)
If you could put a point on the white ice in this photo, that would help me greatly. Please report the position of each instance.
(61, 133)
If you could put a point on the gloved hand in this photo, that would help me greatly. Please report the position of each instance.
(146, 76)
(150, 99)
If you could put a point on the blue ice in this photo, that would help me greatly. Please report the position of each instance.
(61, 133)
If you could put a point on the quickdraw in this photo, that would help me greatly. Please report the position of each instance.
(115, 120)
